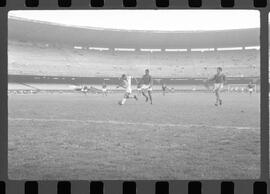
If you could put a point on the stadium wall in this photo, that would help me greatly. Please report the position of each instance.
(115, 80)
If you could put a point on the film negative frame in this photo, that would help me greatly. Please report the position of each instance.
(139, 186)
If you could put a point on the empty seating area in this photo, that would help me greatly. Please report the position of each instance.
(42, 59)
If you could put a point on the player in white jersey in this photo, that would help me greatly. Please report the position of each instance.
(125, 82)
(84, 89)
(219, 79)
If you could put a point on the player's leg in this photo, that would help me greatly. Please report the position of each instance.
(139, 90)
(146, 97)
(216, 94)
(144, 89)
(216, 91)
(135, 96)
(124, 99)
(150, 96)
(217, 97)
(250, 91)
(219, 90)
(130, 95)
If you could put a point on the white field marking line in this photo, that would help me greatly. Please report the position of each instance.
(133, 123)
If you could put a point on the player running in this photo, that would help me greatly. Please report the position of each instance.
(163, 87)
(104, 89)
(146, 84)
(219, 79)
(125, 82)
(250, 88)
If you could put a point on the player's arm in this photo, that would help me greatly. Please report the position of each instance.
(120, 85)
(224, 79)
(212, 78)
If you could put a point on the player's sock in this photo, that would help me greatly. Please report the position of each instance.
(135, 97)
(220, 102)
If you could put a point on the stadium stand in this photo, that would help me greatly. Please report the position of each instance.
(37, 59)
(47, 53)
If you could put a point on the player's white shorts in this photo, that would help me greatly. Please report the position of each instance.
(146, 87)
(250, 90)
(218, 86)
(104, 90)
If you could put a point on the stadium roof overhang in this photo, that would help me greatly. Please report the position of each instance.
(33, 31)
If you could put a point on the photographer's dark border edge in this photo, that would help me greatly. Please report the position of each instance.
(264, 86)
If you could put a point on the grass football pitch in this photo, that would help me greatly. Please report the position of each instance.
(91, 137)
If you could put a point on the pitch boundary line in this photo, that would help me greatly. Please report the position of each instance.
(133, 123)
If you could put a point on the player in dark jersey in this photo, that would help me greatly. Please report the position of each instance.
(250, 88)
(163, 87)
(146, 84)
(219, 79)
